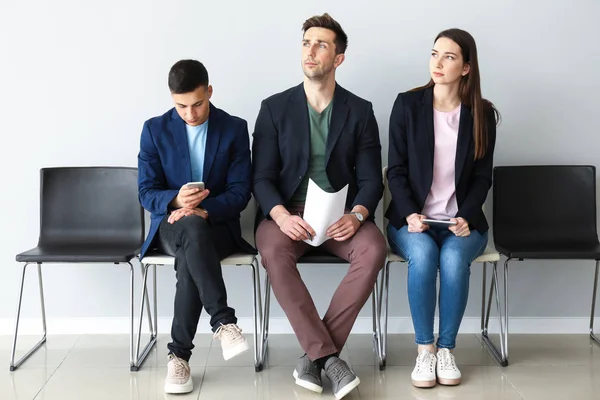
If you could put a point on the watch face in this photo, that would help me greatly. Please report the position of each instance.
(359, 216)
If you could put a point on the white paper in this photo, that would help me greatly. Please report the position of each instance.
(323, 209)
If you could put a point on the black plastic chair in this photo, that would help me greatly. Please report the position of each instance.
(87, 215)
(545, 212)
(321, 257)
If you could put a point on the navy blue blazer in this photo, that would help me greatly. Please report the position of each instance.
(410, 160)
(164, 166)
(281, 149)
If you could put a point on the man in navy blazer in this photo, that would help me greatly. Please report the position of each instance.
(191, 143)
(319, 131)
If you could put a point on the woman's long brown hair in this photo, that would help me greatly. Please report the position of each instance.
(470, 88)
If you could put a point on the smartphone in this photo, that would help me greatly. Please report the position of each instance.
(195, 185)
(438, 222)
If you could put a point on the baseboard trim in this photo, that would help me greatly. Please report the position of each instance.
(57, 326)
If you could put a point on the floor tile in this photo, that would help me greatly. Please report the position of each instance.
(556, 382)
(49, 356)
(23, 383)
(552, 350)
(479, 382)
(110, 383)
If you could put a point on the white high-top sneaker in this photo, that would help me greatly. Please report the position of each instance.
(423, 376)
(447, 371)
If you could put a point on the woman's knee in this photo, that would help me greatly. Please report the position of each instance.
(454, 263)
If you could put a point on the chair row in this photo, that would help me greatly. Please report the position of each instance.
(540, 212)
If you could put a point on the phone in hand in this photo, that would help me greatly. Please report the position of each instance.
(438, 222)
(195, 185)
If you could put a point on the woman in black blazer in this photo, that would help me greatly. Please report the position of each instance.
(441, 147)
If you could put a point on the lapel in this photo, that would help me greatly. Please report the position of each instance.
(465, 132)
(428, 116)
(213, 137)
(299, 122)
(177, 128)
(339, 116)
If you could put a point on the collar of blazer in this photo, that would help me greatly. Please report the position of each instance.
(300, 119)
(465, 132)
(177, 128)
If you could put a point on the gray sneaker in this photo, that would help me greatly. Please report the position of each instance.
(308, 374)
(343, 380)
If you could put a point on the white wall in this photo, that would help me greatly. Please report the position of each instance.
(78, 79)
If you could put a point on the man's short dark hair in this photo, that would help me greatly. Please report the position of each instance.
(327, 22)
(186, 76)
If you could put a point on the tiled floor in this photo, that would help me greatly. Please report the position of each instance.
(561, 367)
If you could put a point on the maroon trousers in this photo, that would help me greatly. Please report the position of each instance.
(366, 252)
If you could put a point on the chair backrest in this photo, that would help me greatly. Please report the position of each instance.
(247, 219)
(545, 204)
(90, 205)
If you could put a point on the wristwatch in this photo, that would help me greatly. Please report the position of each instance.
(358, 216)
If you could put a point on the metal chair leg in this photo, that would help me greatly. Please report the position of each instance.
(592, 315)
(483, 293)
(13, 365)
(257, 315)
(150, 324)
(265, 321)
(131, 314)
(140, 358)
(377, 331)
(377, 336)
(500, 355)
(384, 309)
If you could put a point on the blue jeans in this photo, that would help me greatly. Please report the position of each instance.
(425, 252)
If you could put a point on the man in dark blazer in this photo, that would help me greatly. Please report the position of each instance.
(320, 131)
(192, 143)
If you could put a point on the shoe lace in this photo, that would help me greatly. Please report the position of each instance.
(228, 332)
(337, 371)
(447, 361)
(425, 360)
(180, 367)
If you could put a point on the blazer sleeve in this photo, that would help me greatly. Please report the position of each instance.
(266, 162)
(229, 204)
(152, 184)
(397, 172)
(481, 178)
(368, 165)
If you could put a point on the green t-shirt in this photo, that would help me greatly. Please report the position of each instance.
(319, 129)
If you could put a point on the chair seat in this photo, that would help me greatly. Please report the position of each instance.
(84, 253)
(234, 259)
(489, 255)
(318, 256)
(551, 251)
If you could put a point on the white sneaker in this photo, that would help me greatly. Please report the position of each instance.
(423, 376)
(179, 379)
(447, 371)
(232, 340)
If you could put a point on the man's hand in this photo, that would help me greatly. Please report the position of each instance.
(189, 198)
(461, 228)
(184, 212)
(292, 225)
(415, 223)
(295, 227)
(344, 228)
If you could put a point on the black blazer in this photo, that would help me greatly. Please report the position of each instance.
(410, 170)
(281, 149)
